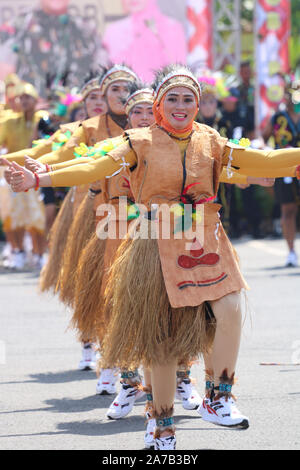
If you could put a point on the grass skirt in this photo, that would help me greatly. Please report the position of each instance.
(142, 320)
(88, 304)
(57, 243)
(81, 230)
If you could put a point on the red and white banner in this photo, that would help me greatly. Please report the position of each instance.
(273, 29)
(200, 33)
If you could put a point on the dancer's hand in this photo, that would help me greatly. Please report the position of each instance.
(3, 161)
(7, 174)
(7, 171)
(21, 178)
(34, 166)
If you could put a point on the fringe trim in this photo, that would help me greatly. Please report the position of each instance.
(158, 431)
(164, 413)
(209, 377)
(57, 242)
(81, 230)
(149, 404)
(225, 379)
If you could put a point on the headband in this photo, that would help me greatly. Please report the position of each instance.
(116, 73)
(91, 85)
(175, 79)
(146, 95)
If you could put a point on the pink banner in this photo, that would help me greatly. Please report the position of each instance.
(200, 32)
(273, 29)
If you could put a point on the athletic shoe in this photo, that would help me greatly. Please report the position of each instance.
(8, 262)
(149, 435)
(88, 361)
(18, 260)
(188, 395)
(165, 443)
(223, 413)
(6, 253)
(292, 260)
(106, 384)
(123, 403)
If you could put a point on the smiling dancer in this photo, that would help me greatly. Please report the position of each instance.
(175, 299)
(114, 86)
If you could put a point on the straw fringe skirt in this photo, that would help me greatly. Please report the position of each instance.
(88, 303)
(81, 230)
(57, 243)
(142, 321)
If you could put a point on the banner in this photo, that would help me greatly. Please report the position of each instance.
(200, 33)
(273, 29)
(44, 40)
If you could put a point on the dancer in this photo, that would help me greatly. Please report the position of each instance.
(114, 86)
(26, 210)
(163, 291)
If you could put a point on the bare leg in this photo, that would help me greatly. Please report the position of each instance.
(163, 378)
(288, 222)
(227, 311)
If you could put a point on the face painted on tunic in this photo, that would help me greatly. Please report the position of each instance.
(180, 107)
(116, 96)
(141, 115)
(55, 7)
(208, 105)
(95, 103)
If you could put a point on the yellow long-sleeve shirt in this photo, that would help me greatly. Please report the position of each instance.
(237, 178)
(16, 133)
(91, 131)
(248, 162)
(44, 147)
(65, 153)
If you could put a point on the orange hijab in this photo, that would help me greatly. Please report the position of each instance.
(161, 120)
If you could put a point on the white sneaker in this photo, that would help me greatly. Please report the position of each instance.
(18, 260)
(149, 435)
(165, 443)
(123, 403)
(223, 413)
(292, 260)
(8, 262)
(6, 251)
(188, 395)
(88, 361)
(106, 384)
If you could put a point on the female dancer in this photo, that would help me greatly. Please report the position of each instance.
(163, 291)
(113, 85)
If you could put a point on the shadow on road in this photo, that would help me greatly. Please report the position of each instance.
(57, 377)
(63, 377)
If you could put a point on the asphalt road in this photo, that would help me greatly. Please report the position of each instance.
(46, 404)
